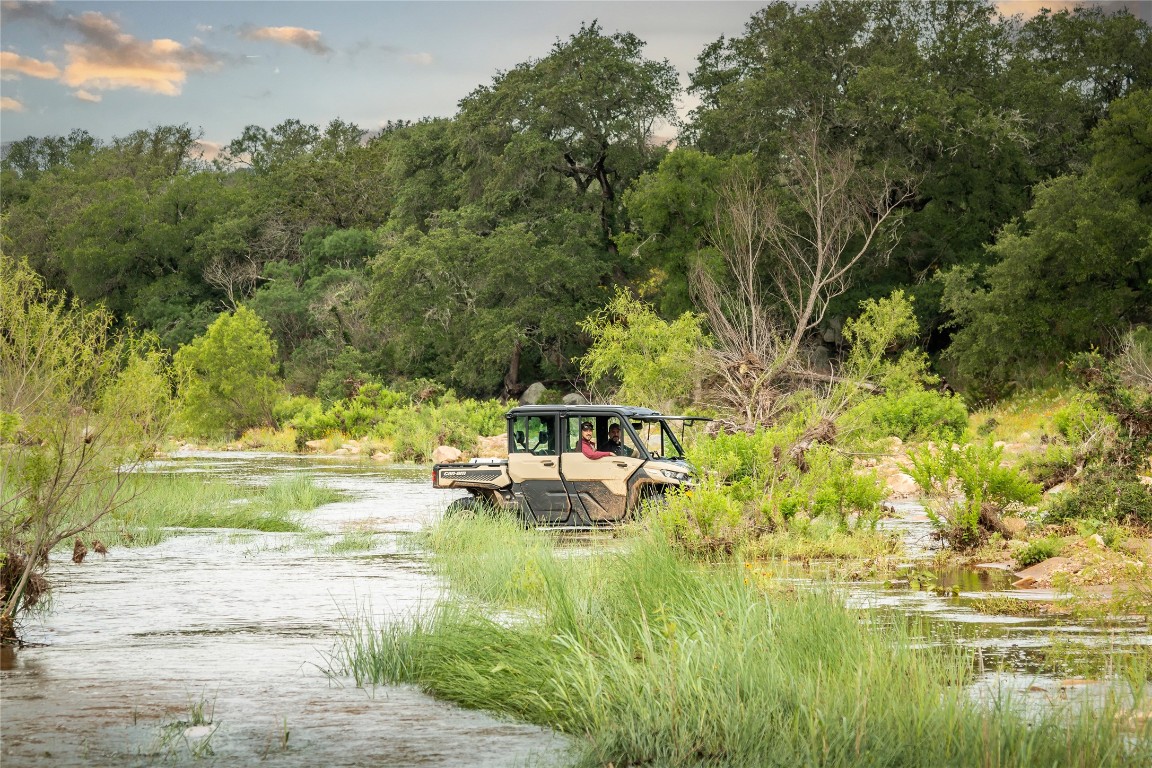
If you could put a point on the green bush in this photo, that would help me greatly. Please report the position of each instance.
(290, 407)
(1107, 493)
(917, 414)
(976, 471)
(752, 483)
(1080, 419)
(1039, 550)
(228, 375)
(417, 430)
(1054, 465)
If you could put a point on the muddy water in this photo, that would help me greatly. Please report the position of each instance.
(144, 645)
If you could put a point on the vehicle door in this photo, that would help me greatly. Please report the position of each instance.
(599, 486)
(534, 467)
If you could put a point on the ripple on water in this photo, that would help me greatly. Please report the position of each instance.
(239, 626)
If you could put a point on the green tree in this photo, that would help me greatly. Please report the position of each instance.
(228, 375)
(1071, 274)
(636, 357)
(587, 112)
(80, 407)
(978, 106)
(479, 308)
(672, 209)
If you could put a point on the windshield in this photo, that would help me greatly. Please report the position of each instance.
(655, 435)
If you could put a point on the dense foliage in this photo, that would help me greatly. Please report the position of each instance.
(468, 250)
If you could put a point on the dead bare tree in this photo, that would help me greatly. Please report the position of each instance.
(789, 250)
(235, 278)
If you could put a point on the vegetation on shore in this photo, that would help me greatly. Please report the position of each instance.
(648, 658)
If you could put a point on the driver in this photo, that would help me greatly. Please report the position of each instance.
(587, 432)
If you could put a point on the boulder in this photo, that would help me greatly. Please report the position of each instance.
(533, 394)
(1044, 570)
(446, 454)
(1014, 525)
(574, 398)
(316, 445)
(341, 452)
(902, 484)
(381, 456)
(494, 447)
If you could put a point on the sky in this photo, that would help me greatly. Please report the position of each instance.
(111, 68)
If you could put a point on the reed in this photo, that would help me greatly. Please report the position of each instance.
(159, 505)
(650, 659)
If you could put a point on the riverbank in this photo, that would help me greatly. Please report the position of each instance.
(650, 659)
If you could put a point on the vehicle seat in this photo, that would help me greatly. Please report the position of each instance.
(543, 445)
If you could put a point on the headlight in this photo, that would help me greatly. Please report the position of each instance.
(672, 474)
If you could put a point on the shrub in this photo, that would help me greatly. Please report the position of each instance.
(643, 358)
(228, 375)
(709, 516)
(753, 482)
(1054, 465)
(282, 441)
(976, 471)
(1081, 418)
(1108, 493)
(1038, 551)
(290, 407)
(917, 414)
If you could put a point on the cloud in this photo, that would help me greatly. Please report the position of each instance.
(159, 66)
(9, 104)
(15, 63)
(308, 39)
(107, 58)
(423, 59)
(83, 95)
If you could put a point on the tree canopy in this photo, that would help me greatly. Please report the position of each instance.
(469, 249)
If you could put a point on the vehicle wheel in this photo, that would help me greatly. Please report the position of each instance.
(465, 506)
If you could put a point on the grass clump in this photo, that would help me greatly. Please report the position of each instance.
(654, 660)
(162, 503)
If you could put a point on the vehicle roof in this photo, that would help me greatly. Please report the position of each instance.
(627, 411)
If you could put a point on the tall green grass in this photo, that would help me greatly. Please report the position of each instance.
(653, 660)
(159, 504)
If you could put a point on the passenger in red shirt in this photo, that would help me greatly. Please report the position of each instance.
(587, 432)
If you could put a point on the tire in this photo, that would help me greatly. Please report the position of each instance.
(465, 506)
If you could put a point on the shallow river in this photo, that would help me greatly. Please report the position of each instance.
(239, 626)
(145, 644)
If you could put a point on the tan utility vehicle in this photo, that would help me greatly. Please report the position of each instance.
(548, 481)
